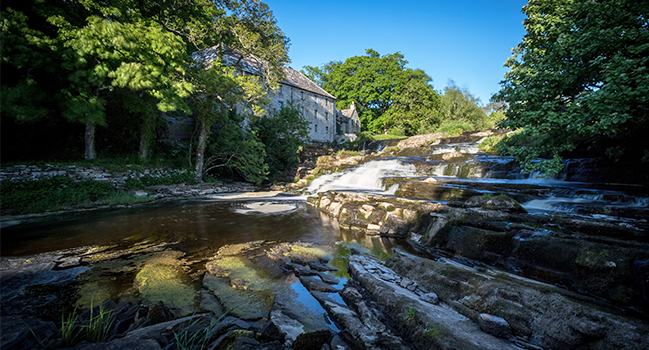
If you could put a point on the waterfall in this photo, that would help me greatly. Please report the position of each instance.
(368, 176)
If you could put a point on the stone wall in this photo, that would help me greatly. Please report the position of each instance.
(24, 172)
(317, 109)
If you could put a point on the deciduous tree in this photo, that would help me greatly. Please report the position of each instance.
(579, 75)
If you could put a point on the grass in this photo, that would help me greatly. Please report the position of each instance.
(69, 331)
(411, 314)
(432, 333)
(346, 153)
(454, 129)
(490, 145)
(99, 324)
(196, 339)
(54, 193)
(380, 137)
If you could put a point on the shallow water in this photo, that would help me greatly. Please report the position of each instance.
(159, 250)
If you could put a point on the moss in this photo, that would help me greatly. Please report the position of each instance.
(432, 333)
(311, 252)
(167, 283)
(248, 304)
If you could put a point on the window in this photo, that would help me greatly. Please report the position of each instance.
(326, 102)
(316, 113)
(280, 88)
(302, 110)
(279, 104)
(302, 94)
(316, 128)
(327, 129)
(326, 115)
(315, 98)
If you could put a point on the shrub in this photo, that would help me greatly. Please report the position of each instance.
(454, 129)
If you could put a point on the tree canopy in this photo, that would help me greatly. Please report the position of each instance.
(579, 78)
(108, 47)
(387, 94)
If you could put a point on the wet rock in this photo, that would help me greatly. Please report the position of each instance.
(451, 155)
(495, 325)
(245, 343)
(421, 323)
(552, 317)
(120, 344)
(502, 203)
(18, 332)
(312, 340)
(430, 298)
(158, 313)
(316, 284)
(289, 328)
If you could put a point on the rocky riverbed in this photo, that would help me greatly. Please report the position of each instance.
(479, 267)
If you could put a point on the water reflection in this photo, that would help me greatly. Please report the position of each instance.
(158, 251)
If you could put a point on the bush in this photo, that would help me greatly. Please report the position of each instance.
(490, 144)
(454, 129)
(283, 133)
(51, 194)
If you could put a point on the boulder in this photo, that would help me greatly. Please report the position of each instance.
(495, 325)
(18, 332)
(501, 202)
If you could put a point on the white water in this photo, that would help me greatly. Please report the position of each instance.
(368, 176)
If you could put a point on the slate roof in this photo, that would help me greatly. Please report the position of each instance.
(347, 112)
(297, 79)
(254, 66)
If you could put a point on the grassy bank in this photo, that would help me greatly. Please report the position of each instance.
(59, 192)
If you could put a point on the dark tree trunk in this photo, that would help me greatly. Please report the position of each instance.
(200, 151)
(90, 140)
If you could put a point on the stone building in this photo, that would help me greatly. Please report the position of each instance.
(347, 121)
(317, 106)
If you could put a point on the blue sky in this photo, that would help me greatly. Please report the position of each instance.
(464, 40)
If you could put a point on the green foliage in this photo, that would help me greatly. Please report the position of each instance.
(386, 93)
(579, 75)
(124, 53)
(432, 333)
(193, 336)
(99, 324)
(50, 194)
(397, 131)
(380, 137)
(234, 149)
(283, 133)
(411, 315)
(454, 129)
(489, 145)
(69, 329)
(458, 105)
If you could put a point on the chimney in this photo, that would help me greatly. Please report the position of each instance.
(353, 106)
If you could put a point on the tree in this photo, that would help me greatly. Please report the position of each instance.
(579, 76)
(458, 105)
(218, 90)
(283, 132)
(142, 46)
(374, 83)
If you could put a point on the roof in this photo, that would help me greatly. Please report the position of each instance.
(347, 112)
(254, 66)
(299, 80)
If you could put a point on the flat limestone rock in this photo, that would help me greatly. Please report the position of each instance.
(422, 323)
